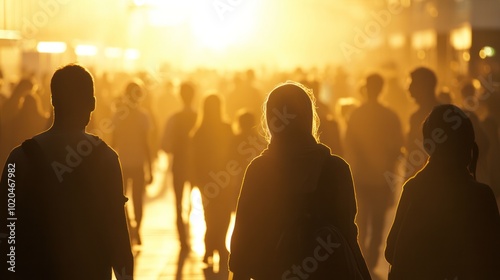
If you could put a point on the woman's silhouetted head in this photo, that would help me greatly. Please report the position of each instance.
(212, 109)
(290, 113)
(449, 135)
(134, 92)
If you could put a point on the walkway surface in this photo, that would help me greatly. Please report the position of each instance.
(159, 257)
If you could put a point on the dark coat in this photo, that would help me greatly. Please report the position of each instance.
(447, 226)
(276, 188)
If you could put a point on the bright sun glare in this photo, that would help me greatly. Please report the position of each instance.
(214, 24)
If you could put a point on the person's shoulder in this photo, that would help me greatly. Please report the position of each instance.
(481, 190)
(335, 161)
(384, 109)
(260, 163)
(17, 154)
(358, 112)
(101, 146)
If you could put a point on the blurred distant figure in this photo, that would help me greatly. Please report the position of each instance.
(29, 121)
(444, 96)
(130, 139)
(167, 104)
(328, 128)
(244, 95)
(103, 112)
(491, 127)
(447, 225)
(247, 145)
(340, 87)
(3, 95)
(291, 190)
(470, 106)
(373, 141)
(422, 89)
(69, 204)
(8, 112)
(395, 96)
(176, 142)
(212, 141)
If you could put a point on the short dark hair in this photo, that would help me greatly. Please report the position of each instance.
(425, 76)
(374, 83)
(187, 92)
(71, 84)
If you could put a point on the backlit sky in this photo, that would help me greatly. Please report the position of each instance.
(224, 33)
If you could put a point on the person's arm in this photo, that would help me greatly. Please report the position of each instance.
(340, 206)
(240, 243)
(392, 239)
(122, 259)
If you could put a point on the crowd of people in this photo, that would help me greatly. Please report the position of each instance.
(322, 149)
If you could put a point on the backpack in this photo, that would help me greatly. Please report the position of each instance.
(312, 248)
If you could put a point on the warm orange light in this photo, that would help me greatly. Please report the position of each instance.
(112, 52)
(86, 50)
(425, 39)
(132, 54)
(461, 38)
(397, 40)
(51, 47)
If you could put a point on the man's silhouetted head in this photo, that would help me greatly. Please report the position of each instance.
(374, 85)
(134, 92)
(72, 88)
(423, 85)
(187, 93)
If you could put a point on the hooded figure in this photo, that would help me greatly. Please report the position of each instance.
(293, 175)
(447, 224)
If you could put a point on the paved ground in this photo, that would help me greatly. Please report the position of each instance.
(159, 257)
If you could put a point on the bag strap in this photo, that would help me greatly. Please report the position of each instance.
(333, 229)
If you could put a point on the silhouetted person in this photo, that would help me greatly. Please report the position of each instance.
(328, 128)
(69, 203)
(447, 224)
(247, 144)
(294, 177)
(395, 96)
(373, 142)
(340, 87)
(422, 89)
(469, 106)
(132, 126)
(176, 141)
(29, 121)
(244, 95)
(9, 111)
(212, 140)
(491, 128)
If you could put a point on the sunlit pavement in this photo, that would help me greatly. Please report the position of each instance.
(159, 257)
